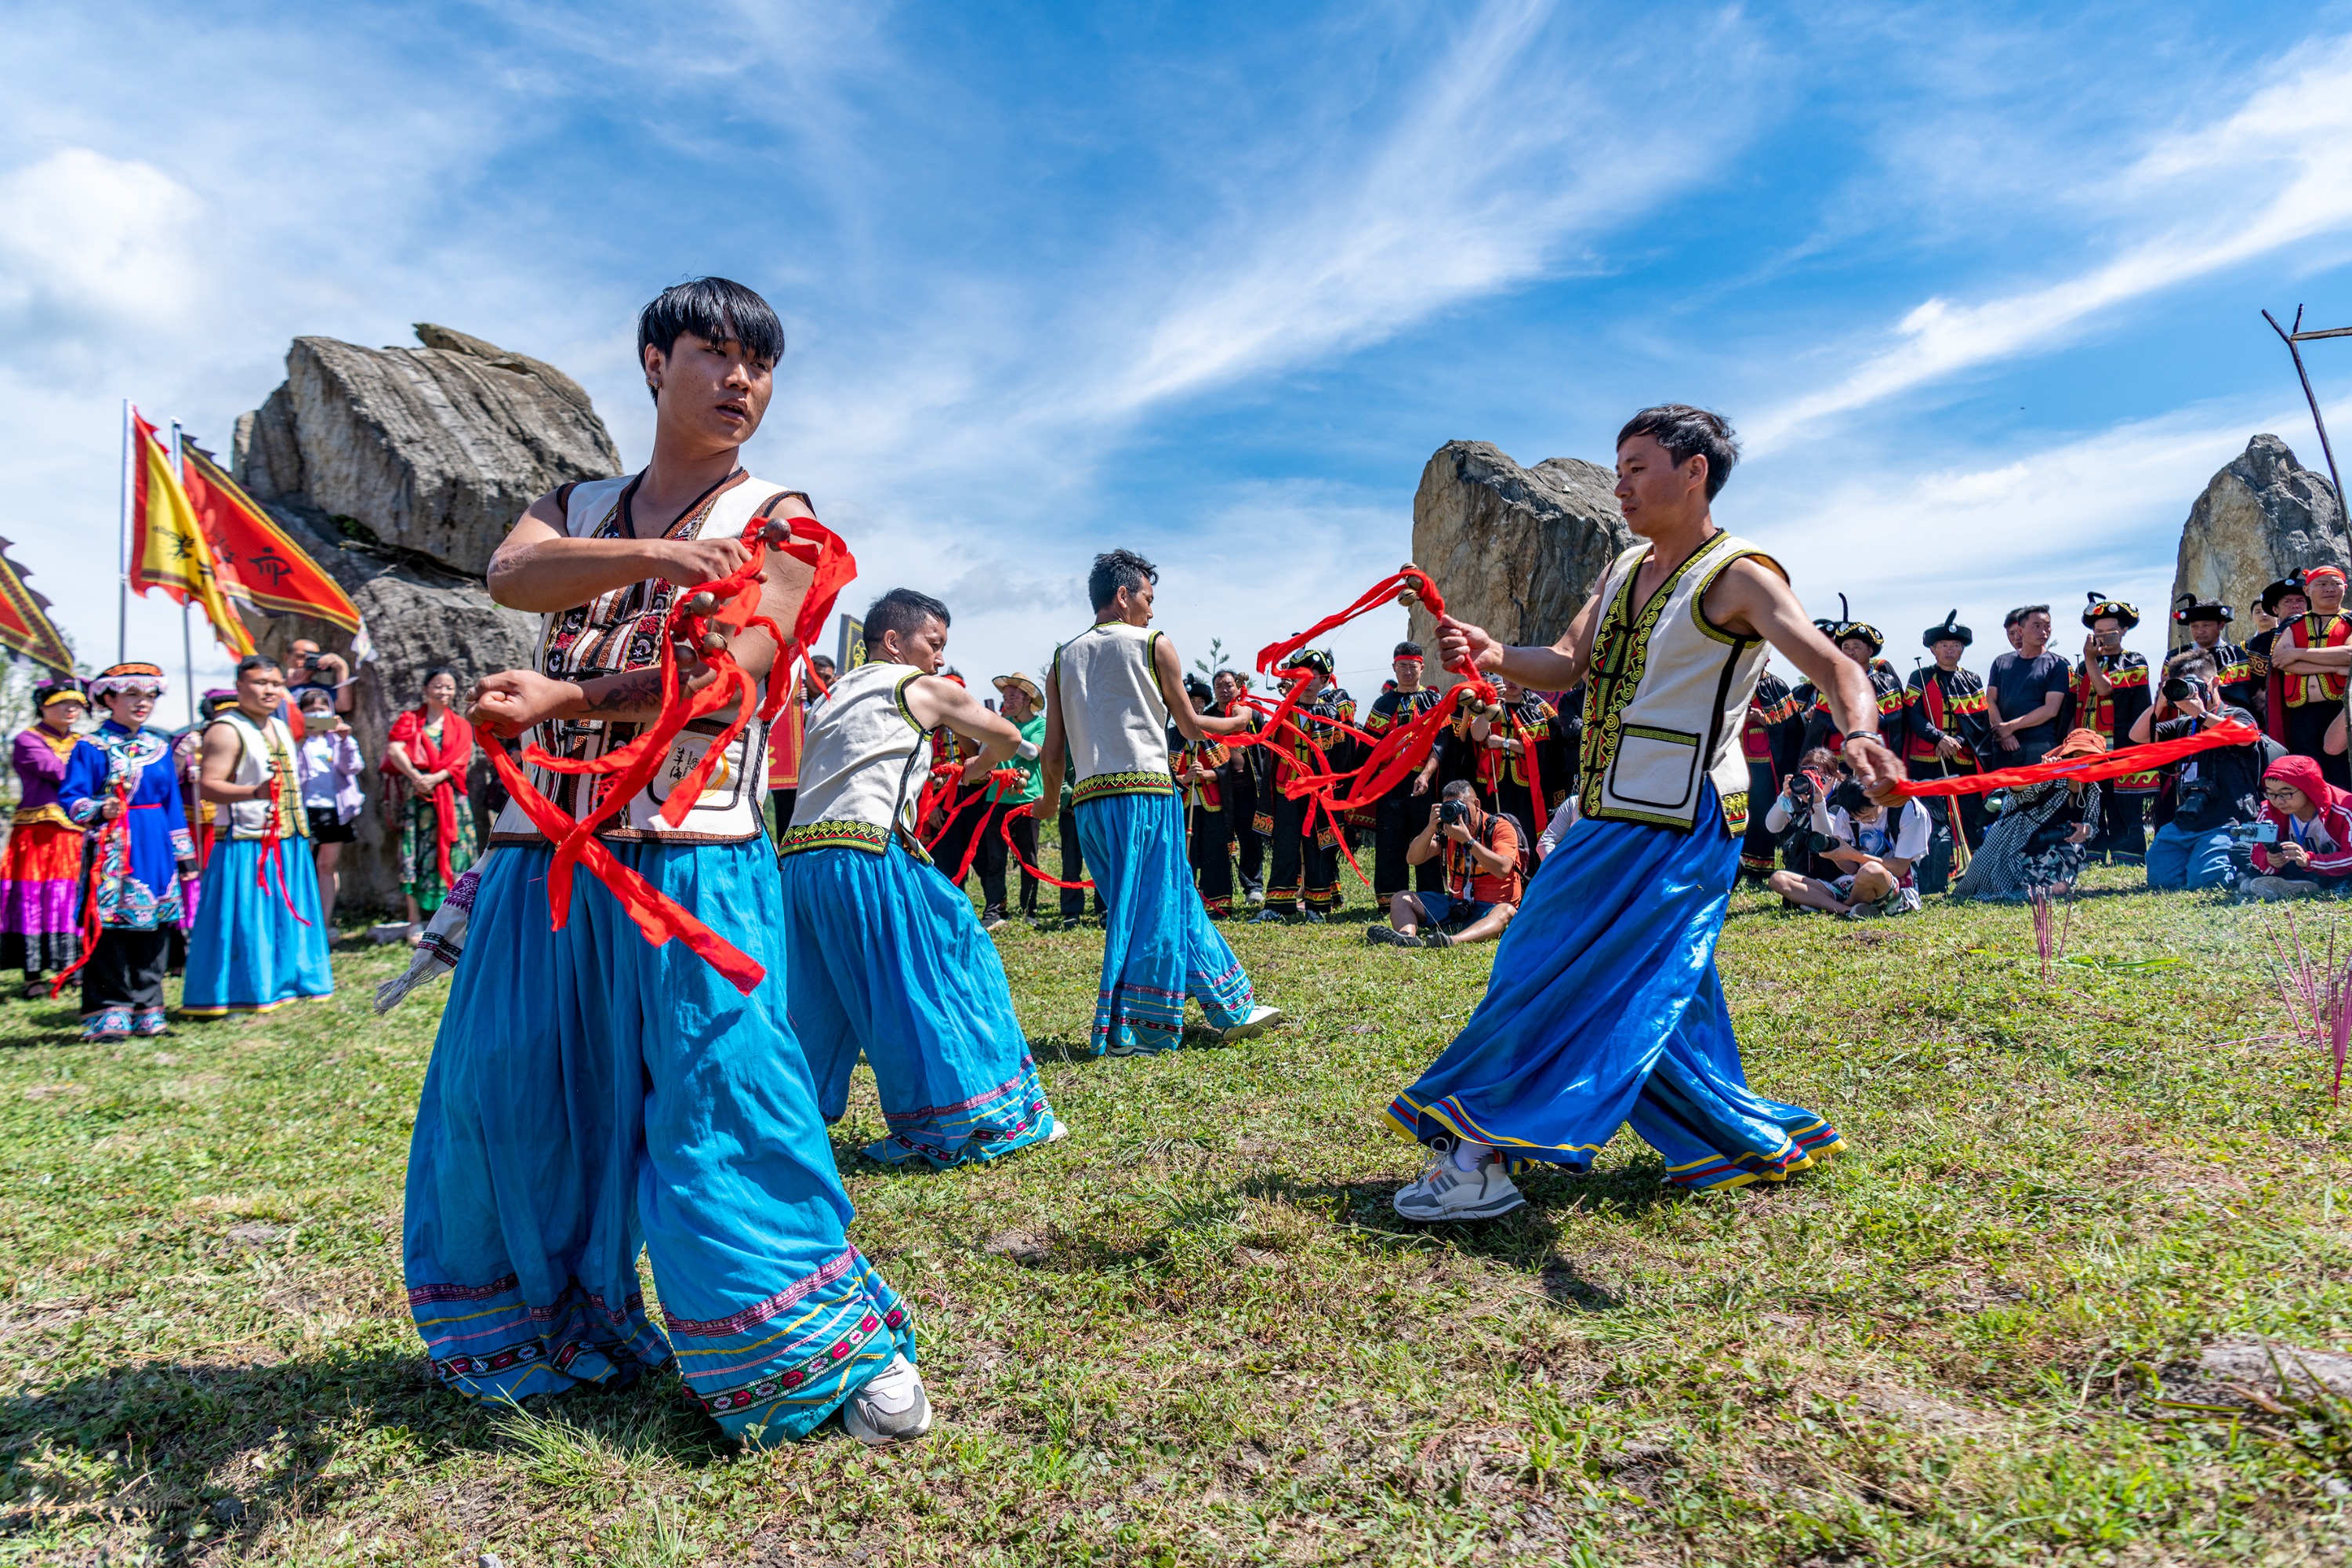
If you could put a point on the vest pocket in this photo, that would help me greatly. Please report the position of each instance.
(1654, 767)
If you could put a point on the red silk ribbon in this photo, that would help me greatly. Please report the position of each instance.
(2086, 769)
(115, 828)
(273, 853)
(1029, 809)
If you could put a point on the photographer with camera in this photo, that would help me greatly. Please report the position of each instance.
(2214, 791)
(1873, 847)
(1481, 851)
(2303, 839)
(307, 669)
(1790, 819)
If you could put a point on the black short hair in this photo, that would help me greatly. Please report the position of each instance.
(2190, 661)
(2011, 619)
(436, 673)
(1117, 569)
(1686, 432)
(823, 658)
(1458, 789)
(904, 611)
(1407, 649)
(2025, 610)
(717, 310)
(253, 661)
(1198, 690)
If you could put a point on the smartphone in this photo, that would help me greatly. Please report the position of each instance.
(2265, 832)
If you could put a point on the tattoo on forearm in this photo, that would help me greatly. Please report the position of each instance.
(628, 692)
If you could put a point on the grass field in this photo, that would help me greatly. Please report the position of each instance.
(1195, 1333)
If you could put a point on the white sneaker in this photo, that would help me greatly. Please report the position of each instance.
(890, 1407)
(1061, 1129)
(1445, 1192)
(1262, 1018)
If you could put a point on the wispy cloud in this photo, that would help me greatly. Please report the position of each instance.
(2271, 173)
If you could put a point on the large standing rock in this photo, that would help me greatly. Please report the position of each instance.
(2264, 515)
(1515, 549)
(400, 470)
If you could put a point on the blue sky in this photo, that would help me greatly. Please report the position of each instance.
(1979, 285)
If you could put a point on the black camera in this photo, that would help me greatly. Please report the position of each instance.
(1801, 787)
(1453, 813)
(2176, 689)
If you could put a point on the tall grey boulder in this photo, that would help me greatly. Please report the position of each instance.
(2264, 515)
(1515, 549)
(400, 469)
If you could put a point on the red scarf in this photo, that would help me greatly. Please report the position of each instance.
(453, 756)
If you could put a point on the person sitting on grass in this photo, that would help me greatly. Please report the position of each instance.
(1481, 850)
(1874, 848)
(2311, 819)
(2211, 790)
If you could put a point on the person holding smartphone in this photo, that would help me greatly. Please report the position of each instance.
(2310, 848)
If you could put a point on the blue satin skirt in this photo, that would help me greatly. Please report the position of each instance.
(887, 959)
(592, 1096)
(1604, 1008)
(1159, 945)
(249, 953)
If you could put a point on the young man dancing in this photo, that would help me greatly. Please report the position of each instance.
(1109, 699)
(591, 1094)
(1604, 1006)
(886, 956)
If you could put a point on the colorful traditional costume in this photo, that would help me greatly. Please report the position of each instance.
(41, 874)
(1604, 1006)
(436, 830)
(1306, 839)
(1528, 785)
(260, 938)
(2233, 669)
(1158, 944)
(1771, 739)
(1947, 704)
(1401, 813)
(1244, 788)
(592, 1096)
(140, 858)
(1207, 826)
(886, 956)
(2110, 716)
(2298, 709)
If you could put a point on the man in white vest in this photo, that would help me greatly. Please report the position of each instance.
(1603, 1006)
(1112, 693)
(592, 1095)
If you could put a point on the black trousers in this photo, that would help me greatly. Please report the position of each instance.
(2306, 730)
(1306, 857)
(39, 955)
(1756, 847)
(1249, 843)
(2122, 827)
(1074, 900)
(783, 799)
(993, 859)
(1401, 816)
(127, 970)
(1210, 844)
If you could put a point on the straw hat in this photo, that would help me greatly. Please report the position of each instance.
(1021, 680)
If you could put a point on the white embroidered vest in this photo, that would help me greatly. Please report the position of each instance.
(1667, 696)
(856, 762)
(1114, 714)
(261, 750)
(623, 630)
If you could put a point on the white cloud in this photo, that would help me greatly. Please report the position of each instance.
(2270, 175)
(84, 233)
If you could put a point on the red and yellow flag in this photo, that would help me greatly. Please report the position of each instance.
(168, 549)
(25, 626)
(259, 563)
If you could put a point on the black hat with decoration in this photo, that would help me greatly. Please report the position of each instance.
(1950, 630)
(2100, 608)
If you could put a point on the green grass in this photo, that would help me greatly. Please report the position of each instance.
(1947, 1345)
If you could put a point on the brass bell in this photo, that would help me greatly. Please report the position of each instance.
(777, 531)
(714, 643)
(1407, 597)
(703, 603)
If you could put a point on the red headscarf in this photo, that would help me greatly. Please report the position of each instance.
(2303, 774)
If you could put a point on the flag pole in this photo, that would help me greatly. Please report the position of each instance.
(123, 548)
(187, 641)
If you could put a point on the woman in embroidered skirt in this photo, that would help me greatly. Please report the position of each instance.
(40, 875)
(120, 783)
(886, 956)
(427, 756)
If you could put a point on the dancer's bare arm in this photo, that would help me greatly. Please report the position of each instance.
(1749, 599)
(540, 568)
(1555, 669)
(934, 701)
(1057, 743)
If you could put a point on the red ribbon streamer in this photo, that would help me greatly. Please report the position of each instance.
(114, 827)
(1029, 809)
(273, 853)
(631, 768)
(2086, 769)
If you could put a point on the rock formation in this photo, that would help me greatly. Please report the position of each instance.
(1515, 549)
(400, 469)
(2264, 515)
